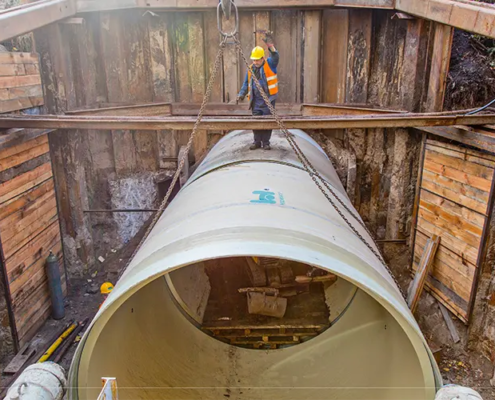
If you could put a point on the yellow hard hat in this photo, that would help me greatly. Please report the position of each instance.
(106, 288)
(258, 53)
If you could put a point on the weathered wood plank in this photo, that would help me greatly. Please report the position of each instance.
(26, 201)
(470, 16)
(463, 269)
(24, 156)
(98, 5)
(424, 266)
(359, 56)
(465, 213)
(212, 38)
(168, 149)
(34, 277)
(287, 31)
(162, 61)
(454, 244)
(16, 221)
(24, 182)
(457, 175)
(230, 66)
(442, 47)
(463, 153)
(459, 193)
(20, 21)
(19, 81)
(447, 226)
(335, 35)
(311, 66)
(450, 324)
(19, 58)
(32, 252)
(26, 235)
(442, 272)
(464, 136)
(22, 147)
(21, 92)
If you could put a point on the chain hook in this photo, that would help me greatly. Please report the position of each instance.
(227, 15)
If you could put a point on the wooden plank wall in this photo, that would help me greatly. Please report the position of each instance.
(29, 229)
(345, 55)
(454, 203)
(20, 82)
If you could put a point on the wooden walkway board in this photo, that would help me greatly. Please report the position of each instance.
(422, 272)
(454, 203)
(20, 82)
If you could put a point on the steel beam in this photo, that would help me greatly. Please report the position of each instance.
(230, 123)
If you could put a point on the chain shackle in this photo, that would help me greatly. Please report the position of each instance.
(220, 7)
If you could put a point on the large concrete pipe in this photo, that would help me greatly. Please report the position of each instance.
(173, 327)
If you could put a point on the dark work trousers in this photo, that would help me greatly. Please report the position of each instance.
(262, 136)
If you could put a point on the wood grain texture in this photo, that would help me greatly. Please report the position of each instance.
(442, 47)
(335, 36)
(422, 271)
(312, 62)
(453, 199)
(20, 82)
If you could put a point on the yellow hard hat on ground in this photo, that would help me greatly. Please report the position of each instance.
(106, 288)
(258, 53)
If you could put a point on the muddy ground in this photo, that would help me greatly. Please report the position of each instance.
(457, 364)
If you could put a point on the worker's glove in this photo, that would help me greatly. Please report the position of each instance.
(268, 39)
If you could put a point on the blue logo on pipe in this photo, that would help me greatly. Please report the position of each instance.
(267, 197)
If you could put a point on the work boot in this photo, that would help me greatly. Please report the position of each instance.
(266, 147)
(255, 146)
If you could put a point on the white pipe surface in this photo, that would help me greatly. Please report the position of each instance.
(41, 381)
(255, 203)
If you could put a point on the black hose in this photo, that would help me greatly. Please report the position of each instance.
(481, 108)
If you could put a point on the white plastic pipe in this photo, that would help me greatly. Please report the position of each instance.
(254, 203)
(455, 392)
(41, 381)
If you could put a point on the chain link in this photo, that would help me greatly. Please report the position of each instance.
(185, 155)
(315, 175)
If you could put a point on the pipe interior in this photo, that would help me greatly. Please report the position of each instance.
(189, 335)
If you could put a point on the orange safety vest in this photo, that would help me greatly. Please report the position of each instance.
(271, 78)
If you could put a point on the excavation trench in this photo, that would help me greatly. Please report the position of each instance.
(252, 286)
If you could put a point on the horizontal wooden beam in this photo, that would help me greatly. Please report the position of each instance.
(230, 123)
(106, 5)
(24, 19)
(468, 15)
(472, 136)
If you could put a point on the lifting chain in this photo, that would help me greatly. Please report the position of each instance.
(315, 175)
(310, 169)
(185, 155)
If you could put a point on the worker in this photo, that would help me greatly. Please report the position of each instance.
(266, 72)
